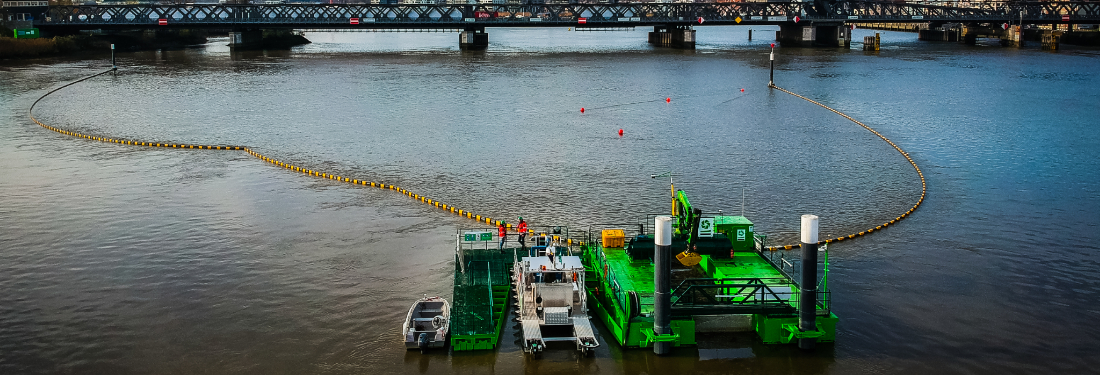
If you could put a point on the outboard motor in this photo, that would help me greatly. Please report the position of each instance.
(422, 342)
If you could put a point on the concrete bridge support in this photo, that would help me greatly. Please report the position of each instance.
(682, 37)
(797, 35)
(246, 38)
(971, 33)
(834, 35)
(826, 34)
(1013, 37)
(473, 39)
(1051, 39)
(939, 34)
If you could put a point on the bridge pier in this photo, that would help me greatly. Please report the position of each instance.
(821, 34)
(1013, 37)
(796, 35)
(473, 39)
(246, 38)
(675, 36)
(972, 32)
(1051, 39)
(939, 33)
(834, 35)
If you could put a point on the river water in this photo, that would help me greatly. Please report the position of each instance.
(127, 260)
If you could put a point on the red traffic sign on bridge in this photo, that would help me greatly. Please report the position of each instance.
(582, 20)
(354, 21)
(162, 21)
(701, 20)
(796, 19)
(1065, 17)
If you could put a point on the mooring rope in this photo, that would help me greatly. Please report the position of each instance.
(923, 184)
(310, 172)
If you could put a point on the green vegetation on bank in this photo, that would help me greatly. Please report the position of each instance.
(127, 41)
(25, 48)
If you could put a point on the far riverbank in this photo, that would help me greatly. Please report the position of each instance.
(11, 48)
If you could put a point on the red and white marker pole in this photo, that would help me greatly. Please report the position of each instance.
(771, 76)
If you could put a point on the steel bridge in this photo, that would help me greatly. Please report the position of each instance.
(480, 16)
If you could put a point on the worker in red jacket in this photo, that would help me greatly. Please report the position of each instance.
(522, 233)
(503, 232)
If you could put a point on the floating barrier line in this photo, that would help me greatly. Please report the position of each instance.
(381, 185)
(923, 184)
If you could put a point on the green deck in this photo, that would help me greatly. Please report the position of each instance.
(743, 264)
(613, 274)
(636, 276)
(480, 298)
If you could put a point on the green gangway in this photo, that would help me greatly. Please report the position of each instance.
(482, 286)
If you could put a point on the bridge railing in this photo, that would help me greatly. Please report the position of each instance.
(597, 15)
(361, 14)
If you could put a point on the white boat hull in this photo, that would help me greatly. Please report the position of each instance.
(427, 324)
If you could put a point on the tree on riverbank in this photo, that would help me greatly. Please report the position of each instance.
(14, 48)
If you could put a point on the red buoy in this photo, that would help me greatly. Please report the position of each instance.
(582, 109)
(742, 90)
(620, 132)
(668, 100)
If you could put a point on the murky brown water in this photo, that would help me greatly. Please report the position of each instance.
(118, 259)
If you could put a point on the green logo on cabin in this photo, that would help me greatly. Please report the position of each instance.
(26, 33)
(477, 236)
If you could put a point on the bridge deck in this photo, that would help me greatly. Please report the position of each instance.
(454, 16)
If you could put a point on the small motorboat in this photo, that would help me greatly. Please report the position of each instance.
(427, 324)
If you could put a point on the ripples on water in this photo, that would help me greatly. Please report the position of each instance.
(126, 260)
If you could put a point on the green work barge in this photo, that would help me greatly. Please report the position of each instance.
(726, 281)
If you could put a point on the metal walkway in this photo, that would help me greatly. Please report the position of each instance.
(482, 285)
